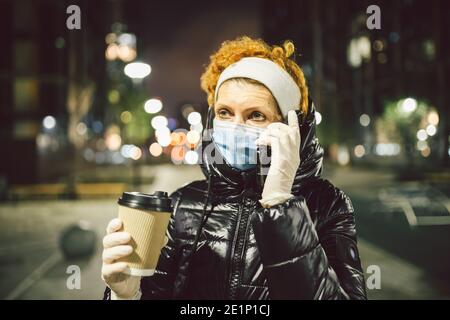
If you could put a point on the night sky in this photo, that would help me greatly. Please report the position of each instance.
(177, 38)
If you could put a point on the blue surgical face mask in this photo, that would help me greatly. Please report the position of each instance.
(236, 143)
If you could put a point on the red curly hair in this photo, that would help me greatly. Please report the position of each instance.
(231, 51)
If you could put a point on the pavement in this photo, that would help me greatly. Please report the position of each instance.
(412, 260)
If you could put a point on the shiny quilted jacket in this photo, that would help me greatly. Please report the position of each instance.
(224, 245)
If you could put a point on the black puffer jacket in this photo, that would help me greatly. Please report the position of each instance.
(304, 248)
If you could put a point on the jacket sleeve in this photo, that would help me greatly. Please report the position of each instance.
(304, 261)
(160, 285)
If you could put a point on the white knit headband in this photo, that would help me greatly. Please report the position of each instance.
(283, 88)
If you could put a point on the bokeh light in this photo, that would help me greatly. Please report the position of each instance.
(198, 127)
(177, 154)
(359, 151)
(113, 141)
(159, 122)
(431, 130)
(193, 137)
(409, 105)
(191, 157)
(135, 153)
(318, 117)
(81, 128)
(153, 105)
(137, 70)
(155, 149)
(433, 118)
(163, 136)
(112, 52)
(194, 118)
(422, 135)
(175, 139)
(126, 117)
(49, 122)
(425, 152)
(364, 120)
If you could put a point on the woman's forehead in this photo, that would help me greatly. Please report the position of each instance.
(244, 94)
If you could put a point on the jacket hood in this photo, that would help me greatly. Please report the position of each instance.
(230, 181)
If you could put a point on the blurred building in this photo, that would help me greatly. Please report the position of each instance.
(32, 79)
(61, 90)
(352, 70)
(41, 63)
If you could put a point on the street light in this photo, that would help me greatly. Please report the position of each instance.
(433, 118)
(49, 122)
(318, 117)
(422, 135)
(409, 105)
(431, 130)
(358, 51)
(155, 149)
(153, 105)
(121, 46)
(364, 120)
(194, 118)
(137, 70)
(191, 157)
(159, 121)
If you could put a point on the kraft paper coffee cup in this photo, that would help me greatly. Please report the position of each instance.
(145, 217)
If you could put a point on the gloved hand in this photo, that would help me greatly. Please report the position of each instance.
(116, 245)
(284, 141)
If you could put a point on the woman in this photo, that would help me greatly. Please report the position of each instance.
(231, 238)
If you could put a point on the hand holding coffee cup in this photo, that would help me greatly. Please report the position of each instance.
(134, 241)
(146, 218)
(116, 245)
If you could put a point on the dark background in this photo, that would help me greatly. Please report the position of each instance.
(54, 176)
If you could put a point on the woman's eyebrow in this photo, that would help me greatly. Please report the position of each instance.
(260, 108)
(221, 105)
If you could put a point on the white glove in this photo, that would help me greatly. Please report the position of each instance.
(115, 246)
(284, 141)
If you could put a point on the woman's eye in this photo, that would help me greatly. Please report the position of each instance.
(223, 113)
(257, 116)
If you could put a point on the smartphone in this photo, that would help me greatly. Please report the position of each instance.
(264, 154)
(263, 165)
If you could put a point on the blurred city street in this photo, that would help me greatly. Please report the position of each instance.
(102, 97)
(32, 267)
